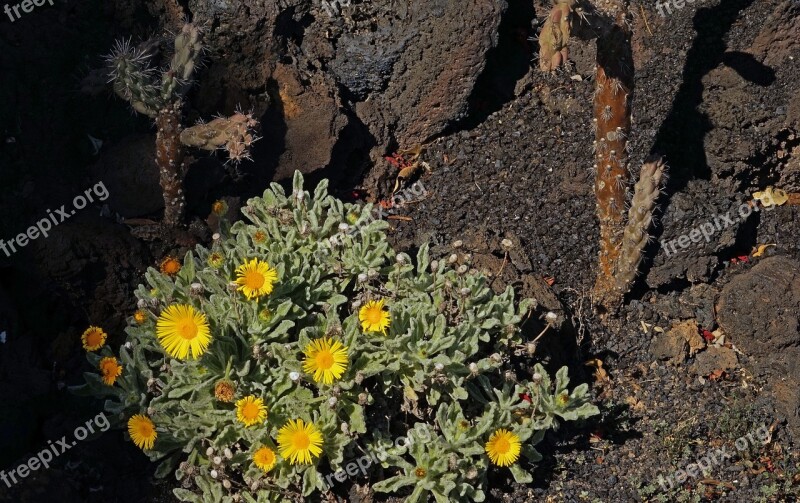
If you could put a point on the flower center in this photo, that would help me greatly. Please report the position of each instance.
(94, 338)
(145, 430)
(254, 280)
(267, 457)
(373, 315)
(188, 330)
(250, 410)
(301, 441)
(324, 360)
(502, 445)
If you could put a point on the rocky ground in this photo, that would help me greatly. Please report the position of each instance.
(704, 351)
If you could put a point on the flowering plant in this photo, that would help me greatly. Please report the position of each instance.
(268, 359)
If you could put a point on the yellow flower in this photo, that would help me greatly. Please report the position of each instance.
(139, 317)
(219, 207)
(142, 431)
(110, 369)
(259, 236)
(503, 447)
(183, 331)
(265, 458)
(93, 338)
(255, 278)
(420, 472)
(250, 410)
(299, 441)
(265, 315)
(326, 359)
(224, 390)
(215, 260)
(373, 318)
(170, 266)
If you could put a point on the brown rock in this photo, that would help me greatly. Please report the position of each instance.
(670, 346)
(714, 358)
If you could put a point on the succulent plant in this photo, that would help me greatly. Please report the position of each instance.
(259, 341)
(159, 95)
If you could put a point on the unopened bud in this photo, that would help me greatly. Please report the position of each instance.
(210, 451)
(141, 304)
(294, 376)
(452, 259)
(465, 291)
(196, 289)
(226, 484)
(214, 474)
(217, 460)
(506, 244)
(344, 227)
(228, 453)
(332, 401)
(537, 377)
(362, 278)
(439, 366)
(462, 269)
(401, 259)
(458, 244)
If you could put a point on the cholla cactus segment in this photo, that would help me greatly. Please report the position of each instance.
(612, 118)
(188, 49)
(554, 37)
(640, 216)
(233, 134)
(132, 78)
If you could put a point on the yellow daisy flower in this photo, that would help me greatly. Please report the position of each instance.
(299, 441)
(251, 410)
(503, 447)
(373, 318)
(170, 266)
(110, 369)
(265, 458)
(259, 236)
(142, 431)
(326, 359)
(93, 338)
(183, 331)
(255, 278)
(139, 317)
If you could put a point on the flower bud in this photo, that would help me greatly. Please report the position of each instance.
(228, 453)
(506, 244)
(343, 227)
(226, 484)
(452, 259)
(345, 428)
(473, 368)
(551, 318)
(216, 236)
(210, 452)
(465, 291)
(217, 460)
(196, 289)
(294, 376)
(462, 269)
(439, 366)
(359, 377)
(434, 265)
(332, 402)
(401, 259)
(141, 304)
(537, 377)
(362, 278)
(496, 358)
(214, 474)
(458, 244)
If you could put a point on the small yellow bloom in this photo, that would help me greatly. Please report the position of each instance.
(251, 410)
(110, 369)
(255, 278)
(93, 338)
(183, 331)
(373, 317)
(265, 458)
(503, 447)
(420, 472)
(170, 266)
(259, 236)
(215, 260)
(142, 431)
(139, 317)
(299, 441)
(326, 359)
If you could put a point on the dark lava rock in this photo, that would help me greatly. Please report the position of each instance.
(758, 310)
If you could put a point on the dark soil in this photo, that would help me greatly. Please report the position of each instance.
(509, 150)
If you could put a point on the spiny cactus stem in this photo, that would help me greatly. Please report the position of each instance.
(169, 159)
(614, 90)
